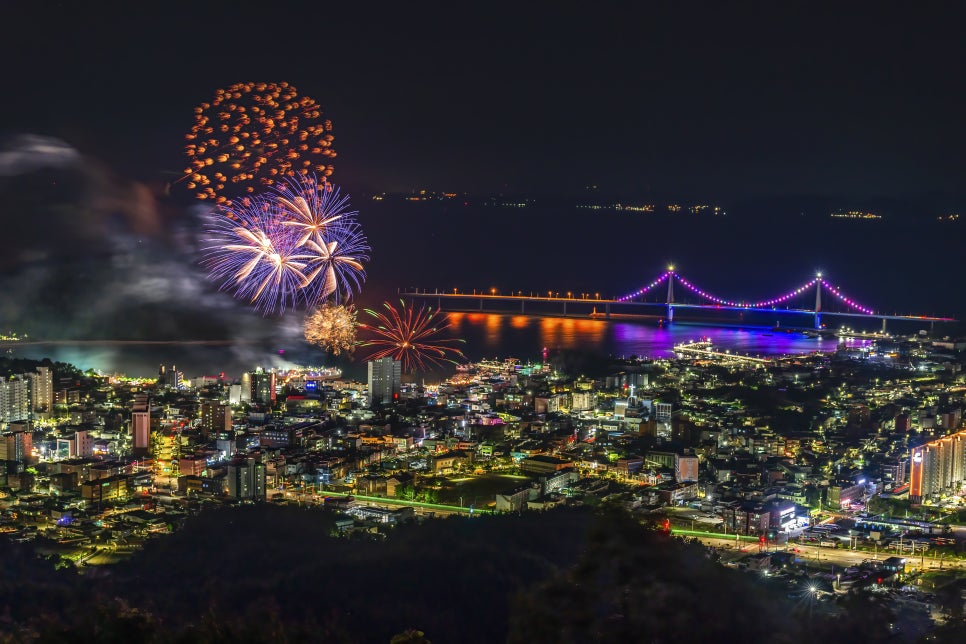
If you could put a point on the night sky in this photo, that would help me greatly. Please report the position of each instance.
(715, 100)
(781, 106)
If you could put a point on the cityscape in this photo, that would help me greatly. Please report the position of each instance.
(585, 325)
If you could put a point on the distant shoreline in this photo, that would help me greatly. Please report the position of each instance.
(213, 343)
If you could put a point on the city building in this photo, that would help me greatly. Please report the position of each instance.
(77, 445)
(937, 466)
(246, 479)
(515, 500)
(245, 395)
(543, 464)
(112, 488)
(385, 380)
(14, 399)
(16, 446)
(685, 468)
(215, 418)
(42, 390)
(663, 411)
(170, 378)
(263, 387)
(141, 425)
(843, 496)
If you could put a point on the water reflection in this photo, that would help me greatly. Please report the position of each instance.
(489, 334)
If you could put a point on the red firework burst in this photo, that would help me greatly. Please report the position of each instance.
(411, 336)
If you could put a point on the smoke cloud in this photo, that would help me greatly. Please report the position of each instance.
(88, 256)
(27, 153)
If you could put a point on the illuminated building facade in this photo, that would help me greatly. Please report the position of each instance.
(14, 399)
(385, 380)
(16, 446)
(246, 479)
(141, 425)
(263, 387)
(937, 466)
(42, 390)
(685, 468)
(215, 418)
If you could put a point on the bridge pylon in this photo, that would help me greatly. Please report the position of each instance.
(818, 301)
(670, 294)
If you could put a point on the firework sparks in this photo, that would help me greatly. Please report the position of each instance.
(313, 207)
(333, 328)
(339, 270)
(411, 336)
(288, 247)
(255, 132)
(257, 259)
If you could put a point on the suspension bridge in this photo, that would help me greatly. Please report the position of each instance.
(812, 298)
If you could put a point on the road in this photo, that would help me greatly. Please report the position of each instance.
(419, 508)
(826, 556)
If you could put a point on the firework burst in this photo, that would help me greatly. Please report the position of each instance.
(333, 328)
(257, 259)
(339, 270)
(411, 336)
(291, 246)
(255, 133)
(313, 207)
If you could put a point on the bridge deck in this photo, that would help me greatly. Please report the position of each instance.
(608, 303)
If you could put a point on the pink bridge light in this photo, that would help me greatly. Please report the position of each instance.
(770, 302)
(645, 289)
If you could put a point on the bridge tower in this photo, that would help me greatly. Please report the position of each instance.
(818, 301)
(670, 294)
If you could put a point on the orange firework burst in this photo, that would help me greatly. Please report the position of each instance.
(332, 327)
(410, 336)
(255, 132)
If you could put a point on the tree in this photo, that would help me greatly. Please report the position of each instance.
(409, 636)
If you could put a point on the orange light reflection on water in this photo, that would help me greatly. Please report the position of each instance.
(563, 333)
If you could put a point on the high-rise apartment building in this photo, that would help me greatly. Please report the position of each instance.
(385, 380)
(141, 425)
(215, 418)
(17, 446)
(246, 479)
(169, 377)
(263, 387)
(937, 466)
(42, 390)
(14, 399)
(245, 395)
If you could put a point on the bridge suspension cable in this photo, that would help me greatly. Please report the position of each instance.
(834, 291)
(816, 282)
(645, 289)
(749, 305)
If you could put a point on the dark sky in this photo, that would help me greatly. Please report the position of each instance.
(726, 100)
(795, 107)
